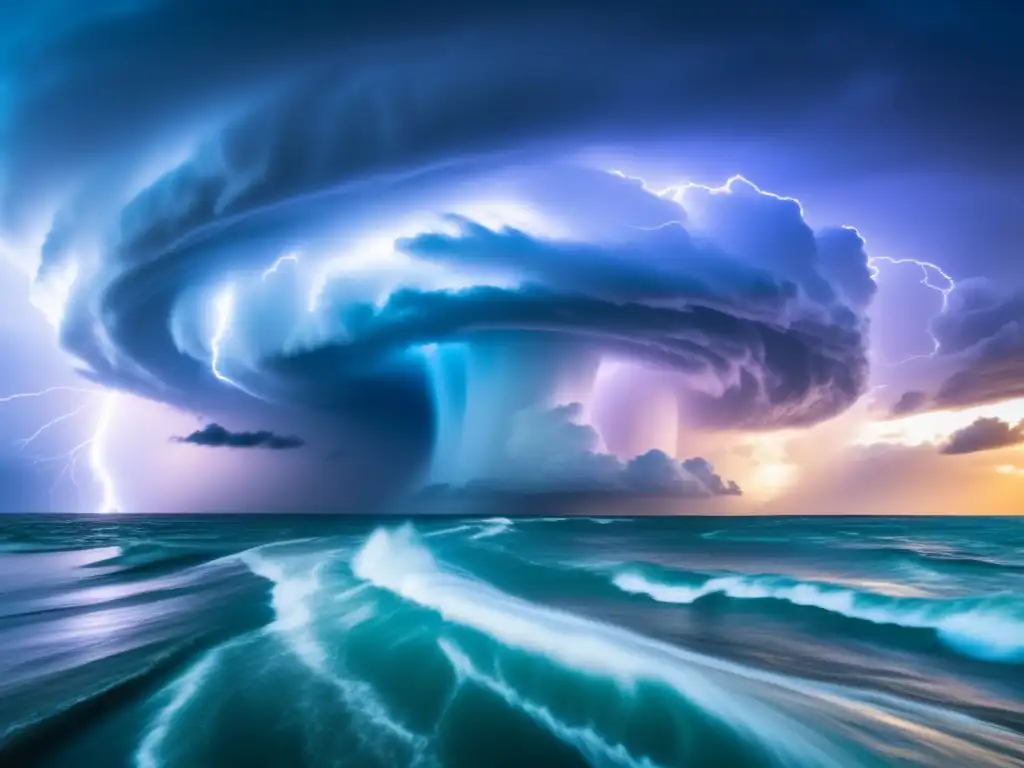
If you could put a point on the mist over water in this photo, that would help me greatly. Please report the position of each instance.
(507, 641)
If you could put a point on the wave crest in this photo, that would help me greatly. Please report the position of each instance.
(989, 628)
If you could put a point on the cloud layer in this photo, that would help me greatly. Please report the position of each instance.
(984, 434)
(983, 332)
(979, 355)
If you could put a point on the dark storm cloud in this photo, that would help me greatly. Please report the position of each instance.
(981, 340)
(978, 312)
(656, 472)
(756, 313)
(175, 143)
(202, 50)
(371, 111)
(216, 436)
(984, 435)
(983, 331)
(384, 73)
(844, 263)
(703, 470)
(665, 264)
(783, 375)
(550, 451)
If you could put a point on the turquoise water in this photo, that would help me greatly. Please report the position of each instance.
(327, 641)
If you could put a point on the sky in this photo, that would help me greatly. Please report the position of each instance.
(320, 256)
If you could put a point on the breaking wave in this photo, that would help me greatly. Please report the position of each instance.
(780, 718)
(407, 648)
(989, 628)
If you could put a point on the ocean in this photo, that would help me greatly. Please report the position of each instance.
(160, 642)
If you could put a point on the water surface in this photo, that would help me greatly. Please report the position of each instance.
(324, 641)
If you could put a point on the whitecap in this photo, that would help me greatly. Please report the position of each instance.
(795, 722)
(989, 628)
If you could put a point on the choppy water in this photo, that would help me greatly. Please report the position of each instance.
(302, 641)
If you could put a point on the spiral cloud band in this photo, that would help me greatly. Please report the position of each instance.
(396, 240)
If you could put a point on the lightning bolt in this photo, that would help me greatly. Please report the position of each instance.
(677, 191)
(104, 478)
(109, 502)
(24, 442)
(224, 306)
(70, 459)
(224, 311)
(932, 275)
(41, 392)
(51, 300)
(273, 268)
(928, 272)
(27, 441)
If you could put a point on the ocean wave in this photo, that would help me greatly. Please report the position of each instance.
(943, 559)
(988, 628)
(401, 650)
(28, 548)
(22, 743)
(451, 530)
(744, 538)
(475, 529)
(598, 750)
(494, 526)
(181, 692)
(743, 700)
(787, 720)
(296, 583)
(150, 558)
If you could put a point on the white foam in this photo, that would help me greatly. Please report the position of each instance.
(450, 531)
(637, 584)
(495, 526)
(989, 628)
(397, 561)
(290, 600)
(181, 692)
(599, 752)
(296, 584)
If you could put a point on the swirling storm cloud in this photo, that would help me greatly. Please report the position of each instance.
(390, 226)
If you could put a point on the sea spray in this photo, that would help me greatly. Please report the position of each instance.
(296, 584)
